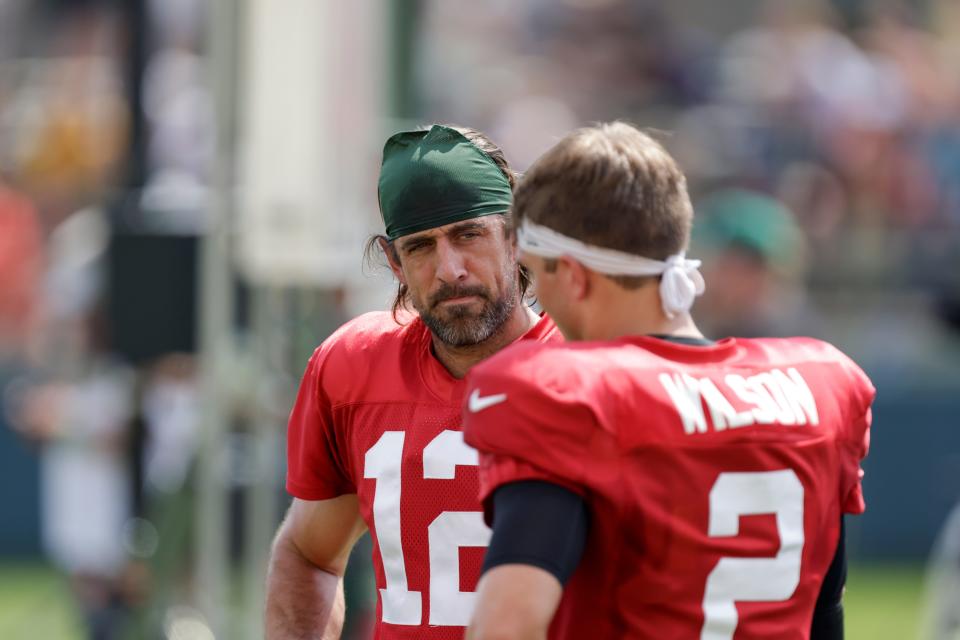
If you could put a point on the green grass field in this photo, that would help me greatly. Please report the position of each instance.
(35, 603)
(882, 603)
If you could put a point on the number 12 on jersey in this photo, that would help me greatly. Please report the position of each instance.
(445, 535)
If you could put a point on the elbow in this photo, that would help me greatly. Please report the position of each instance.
(283, 548)
(286, 556)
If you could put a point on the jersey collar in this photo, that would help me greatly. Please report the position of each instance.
(438, 380)
(684, 351)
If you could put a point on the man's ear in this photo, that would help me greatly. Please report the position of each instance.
(576, 277)
(393, 259)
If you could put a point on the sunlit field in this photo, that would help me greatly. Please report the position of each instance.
(35, 603)
(882, 603)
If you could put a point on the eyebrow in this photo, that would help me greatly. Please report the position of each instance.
(408, 243)
(469, 225)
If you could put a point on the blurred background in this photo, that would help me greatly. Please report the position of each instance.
(186, 185)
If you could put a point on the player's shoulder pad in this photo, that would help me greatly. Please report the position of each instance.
(532, 366)
(542, 386)
(848, 373)
(354, 350)
(538, 404)
(364, 335)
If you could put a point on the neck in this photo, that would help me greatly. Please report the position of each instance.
(636, 313)
(458, 360)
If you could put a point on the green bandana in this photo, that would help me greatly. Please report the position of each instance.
(432, 178)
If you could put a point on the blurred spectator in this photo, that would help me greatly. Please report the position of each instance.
(754, 263)
(853, 116)
(532, 124)
(849, 120)
(171, 412)
(77, 409)
(21, 263)
(80, 424)
(21, 271)
(70, 133)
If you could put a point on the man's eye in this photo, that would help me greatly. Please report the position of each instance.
(469, 235)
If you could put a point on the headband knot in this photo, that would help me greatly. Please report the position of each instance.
(680, 283)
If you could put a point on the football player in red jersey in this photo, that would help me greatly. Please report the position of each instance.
(643, 481)
(374, 439)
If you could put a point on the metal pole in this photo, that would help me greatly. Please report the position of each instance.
(136, 59)
(270, 320)
(216, 332)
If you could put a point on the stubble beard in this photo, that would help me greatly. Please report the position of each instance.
(459, 326)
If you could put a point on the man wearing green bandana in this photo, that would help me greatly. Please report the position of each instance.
(374, 439)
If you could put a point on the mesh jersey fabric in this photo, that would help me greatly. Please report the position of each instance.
(379, 416)
(599, 419)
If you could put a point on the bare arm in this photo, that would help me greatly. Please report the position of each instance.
(305, 577)
(515, 602)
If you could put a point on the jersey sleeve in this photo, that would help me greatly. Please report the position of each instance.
(527, 429)
(314, 466)
(857, 435)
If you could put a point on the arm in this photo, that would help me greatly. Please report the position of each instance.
(539, 533)
(305, 576)
(515, 601)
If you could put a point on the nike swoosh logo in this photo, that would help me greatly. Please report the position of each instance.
(476, 402)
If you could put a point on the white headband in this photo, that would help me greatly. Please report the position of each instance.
(680, 280)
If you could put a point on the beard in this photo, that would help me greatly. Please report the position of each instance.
(459, 325)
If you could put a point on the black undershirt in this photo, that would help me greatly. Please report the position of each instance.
(687, 340)
(554, 535)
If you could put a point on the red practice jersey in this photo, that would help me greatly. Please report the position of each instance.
(378, 415)
(715, 476)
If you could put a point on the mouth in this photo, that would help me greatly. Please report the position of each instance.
(458, 300)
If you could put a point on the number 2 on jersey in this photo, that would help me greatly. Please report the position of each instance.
(446, 534)
(752, 579)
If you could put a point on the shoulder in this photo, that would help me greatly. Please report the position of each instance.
(536, 403)
(367, 347)
(803, 349)
(555, 385)
(569, 366)
(368, 336)
(798, 348)
(838, 368)
(540, 365)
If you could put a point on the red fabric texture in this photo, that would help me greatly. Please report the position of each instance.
(371, 377)
(598, 417)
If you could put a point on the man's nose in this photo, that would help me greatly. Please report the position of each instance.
(451, 266)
